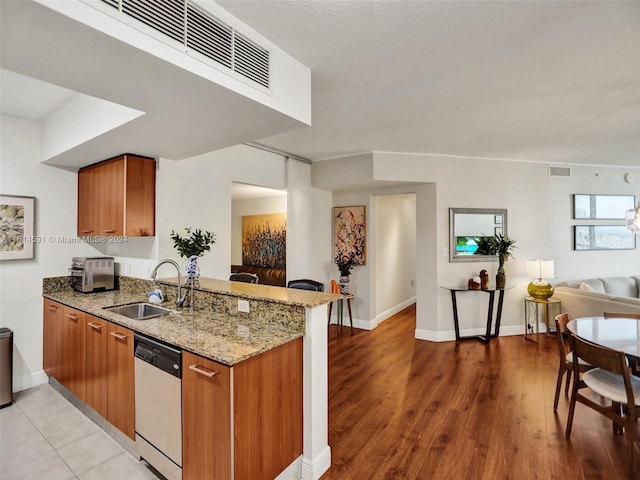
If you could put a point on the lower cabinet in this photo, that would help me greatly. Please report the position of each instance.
(52, 339)
(93, 359)
(120, 380)
(264, 411)
(97, 364)
(74, 351)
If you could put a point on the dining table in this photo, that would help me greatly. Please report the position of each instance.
(622, 334)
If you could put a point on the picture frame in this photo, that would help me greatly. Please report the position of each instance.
(603, 237)
(17, 221)
(349, 232)
(601, 206)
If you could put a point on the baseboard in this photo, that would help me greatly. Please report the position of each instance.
(29, 381)
(393, 310)
(293, 471)
(315, 468)
(448, 335)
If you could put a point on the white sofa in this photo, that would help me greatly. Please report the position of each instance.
(594, 296)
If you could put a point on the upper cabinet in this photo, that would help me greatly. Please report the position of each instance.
(117, 197)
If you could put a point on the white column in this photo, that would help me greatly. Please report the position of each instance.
(316, 457)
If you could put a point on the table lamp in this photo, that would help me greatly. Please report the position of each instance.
(632, 217)
(540, 269)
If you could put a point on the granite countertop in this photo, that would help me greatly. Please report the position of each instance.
(217, 336)
(290, 296)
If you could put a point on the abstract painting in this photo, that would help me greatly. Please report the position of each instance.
(350, 232)
(264, 240)
(16, 227)
(603, 237)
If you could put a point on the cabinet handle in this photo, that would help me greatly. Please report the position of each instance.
(119, 336)
(202, 371)
(109, 231)
(95, 326)
(73, 317)
(86, 231)
(52, 308)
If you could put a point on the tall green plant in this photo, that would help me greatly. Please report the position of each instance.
(193, 243)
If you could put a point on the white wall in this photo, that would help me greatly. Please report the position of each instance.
(394, 250)
(539, 217)
(250, 206)
(21, 173)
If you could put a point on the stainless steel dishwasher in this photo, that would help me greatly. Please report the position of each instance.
(158, 413)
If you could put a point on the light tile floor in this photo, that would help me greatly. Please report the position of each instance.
(43, 436)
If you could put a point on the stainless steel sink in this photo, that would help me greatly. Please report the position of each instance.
(140, 311)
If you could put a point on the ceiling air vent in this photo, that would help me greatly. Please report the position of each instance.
(165, 16)
(251, 60)
(557, 171)
(201, 32)
(209, 37)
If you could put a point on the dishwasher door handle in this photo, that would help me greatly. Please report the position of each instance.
(202, 371)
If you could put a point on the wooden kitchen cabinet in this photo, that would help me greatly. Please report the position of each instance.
(74, 351)
(97, 364)
(117, 197)
(120, 379)
(52, 339)
(264, 412)
(206, 419)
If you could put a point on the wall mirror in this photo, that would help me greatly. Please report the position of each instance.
(467, 226)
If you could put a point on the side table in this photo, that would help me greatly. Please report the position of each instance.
(340, 301)
(532, 315)
(491, 291)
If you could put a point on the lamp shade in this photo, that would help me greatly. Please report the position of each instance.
(540, 269)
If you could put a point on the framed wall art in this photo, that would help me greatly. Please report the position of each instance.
(349, 230)
(601, 207)
(264, 240)
(603, 237)
(16, 227)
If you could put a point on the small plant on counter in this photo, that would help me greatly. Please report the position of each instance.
(194, 243)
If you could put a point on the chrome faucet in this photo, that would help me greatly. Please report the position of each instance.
(154, 273)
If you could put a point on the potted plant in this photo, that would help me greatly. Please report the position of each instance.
(345, 262)
(502, 246)
(191, 246)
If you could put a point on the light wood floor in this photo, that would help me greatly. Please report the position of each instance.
(406, 408)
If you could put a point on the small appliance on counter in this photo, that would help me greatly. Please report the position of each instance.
(92, 274)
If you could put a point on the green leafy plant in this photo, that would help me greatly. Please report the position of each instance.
(345, 262)
(193, 243)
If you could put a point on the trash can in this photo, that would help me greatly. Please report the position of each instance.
(6, 367)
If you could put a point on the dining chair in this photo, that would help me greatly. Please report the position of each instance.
(566, 358)
(621, 315)
(611, 380)
(244, 277)
(306, 284)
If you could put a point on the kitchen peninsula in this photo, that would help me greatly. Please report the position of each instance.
(272, 362)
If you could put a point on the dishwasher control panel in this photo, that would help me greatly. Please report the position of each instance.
(158, 354)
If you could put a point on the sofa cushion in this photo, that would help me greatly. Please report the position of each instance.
(594, 283)
(637, 279)
(586, 287)
(620, 286)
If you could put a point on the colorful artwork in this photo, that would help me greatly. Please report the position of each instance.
(350, 233)
(16, 227)
(264, 240)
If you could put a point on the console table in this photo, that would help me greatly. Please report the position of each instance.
(486, 338)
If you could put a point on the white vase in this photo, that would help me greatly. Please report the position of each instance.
(193, 271)
(345, 284)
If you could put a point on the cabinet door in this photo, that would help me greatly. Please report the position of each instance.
(140, 205)
(73, 351)
(120, 383)
(110, 191)
(88, 208)
(96, 370)
(52, 339)
(206, 419)
(268, 417)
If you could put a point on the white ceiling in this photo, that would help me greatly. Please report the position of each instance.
(553, 82)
